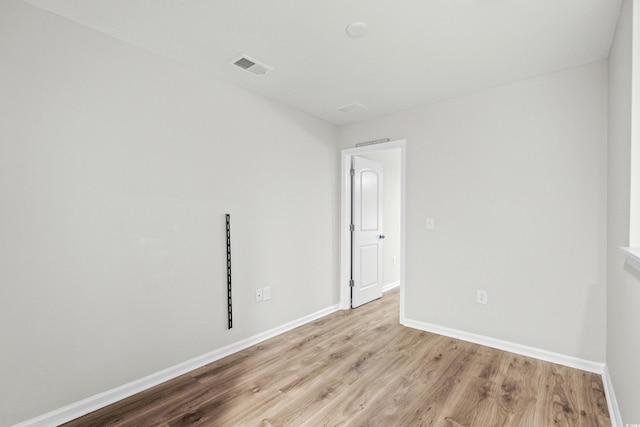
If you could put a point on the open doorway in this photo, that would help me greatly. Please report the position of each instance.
(392, 156)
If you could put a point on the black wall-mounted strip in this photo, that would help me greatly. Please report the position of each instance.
(229, 306)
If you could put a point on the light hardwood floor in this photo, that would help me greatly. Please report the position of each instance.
(359, 368)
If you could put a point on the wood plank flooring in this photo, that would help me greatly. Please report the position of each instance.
(361, 368)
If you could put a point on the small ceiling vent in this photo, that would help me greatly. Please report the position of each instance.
(252, 66)
(350, 108)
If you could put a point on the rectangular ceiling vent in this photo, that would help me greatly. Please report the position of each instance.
(350, 108)
(252, 66)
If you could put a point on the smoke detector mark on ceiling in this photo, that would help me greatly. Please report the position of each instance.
(350, 108)
(250, 65)
(357, 29)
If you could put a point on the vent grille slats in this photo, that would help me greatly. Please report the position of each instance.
(252, 66)
(244, 63)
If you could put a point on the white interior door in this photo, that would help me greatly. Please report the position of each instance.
(367, 235)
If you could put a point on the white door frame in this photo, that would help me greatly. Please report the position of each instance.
(345, 217)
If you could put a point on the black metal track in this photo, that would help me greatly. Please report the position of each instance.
(229, 306)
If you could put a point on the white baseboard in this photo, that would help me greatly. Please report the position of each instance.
(100, 400)
(612, 403)
(390, 286)
(561, 359)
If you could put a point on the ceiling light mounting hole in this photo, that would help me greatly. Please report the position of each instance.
(357, 29)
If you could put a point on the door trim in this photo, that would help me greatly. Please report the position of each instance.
(345, 216)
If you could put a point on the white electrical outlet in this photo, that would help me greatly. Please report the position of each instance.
(395, 260)
(266, 293)
(431, 223)
(258, 295)
(482, 296)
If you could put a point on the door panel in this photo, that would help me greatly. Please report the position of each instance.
(369, 266)
(369, 214)
(366, 268)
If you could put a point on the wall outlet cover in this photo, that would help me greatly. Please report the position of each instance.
(431, 223)
(482, 296)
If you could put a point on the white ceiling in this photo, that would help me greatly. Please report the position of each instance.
(416, 51)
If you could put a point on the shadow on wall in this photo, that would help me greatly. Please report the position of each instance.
(632, 271)
(592, 324)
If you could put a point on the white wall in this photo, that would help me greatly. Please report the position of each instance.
(391, 194)
(515, 179)
(116, 170)
(623, 295)
(634, 226)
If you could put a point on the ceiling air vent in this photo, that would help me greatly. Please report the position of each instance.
(252, 66)
(350, 108)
